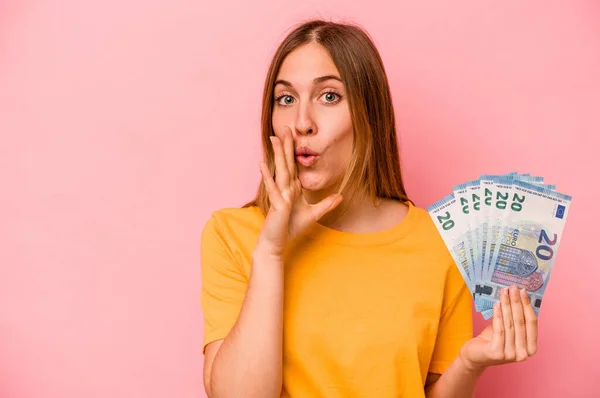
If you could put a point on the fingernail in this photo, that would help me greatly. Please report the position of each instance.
(523, 294)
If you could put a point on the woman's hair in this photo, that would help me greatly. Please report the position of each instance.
(374, 164)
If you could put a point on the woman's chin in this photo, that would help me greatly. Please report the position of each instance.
(311, 182)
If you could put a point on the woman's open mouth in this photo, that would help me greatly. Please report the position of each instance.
(306, 160)
(306, 156)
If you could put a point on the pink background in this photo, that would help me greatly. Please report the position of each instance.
(125, 123)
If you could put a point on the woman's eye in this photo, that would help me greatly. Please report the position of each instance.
(331, 97)
(285, 100)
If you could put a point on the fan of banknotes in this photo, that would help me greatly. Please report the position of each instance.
(503, 230)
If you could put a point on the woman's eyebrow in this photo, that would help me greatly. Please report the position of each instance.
(316, 80)
(325, 78)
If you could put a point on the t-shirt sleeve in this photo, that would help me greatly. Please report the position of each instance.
(224, 284)
(456, 322)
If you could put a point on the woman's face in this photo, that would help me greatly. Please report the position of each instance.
(311, 100)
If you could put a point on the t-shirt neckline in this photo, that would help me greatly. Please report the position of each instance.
(329, 235)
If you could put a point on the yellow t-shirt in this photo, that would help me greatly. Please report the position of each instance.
(365, 314)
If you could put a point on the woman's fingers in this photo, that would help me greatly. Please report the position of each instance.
(272, 189)
(282, 178)
(497, 343)
(326, 205)
(289, 151)
(531, 323)
(519, 322)
(509, 327)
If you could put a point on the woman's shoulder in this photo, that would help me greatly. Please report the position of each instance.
(426, 230)
(235, 221)
(424, 219)
(239, 214)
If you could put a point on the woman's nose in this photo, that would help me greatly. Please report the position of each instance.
(305, 125)
(305, 131)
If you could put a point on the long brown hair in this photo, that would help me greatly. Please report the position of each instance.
(375, 163)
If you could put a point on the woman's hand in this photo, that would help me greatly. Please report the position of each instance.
(511, 337)
(290, 214)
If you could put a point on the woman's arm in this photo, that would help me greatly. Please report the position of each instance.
(511, 337)
(457, 381)
(248, 362)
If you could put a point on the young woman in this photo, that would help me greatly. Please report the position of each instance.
(331, 283)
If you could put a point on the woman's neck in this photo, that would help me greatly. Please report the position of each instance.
(359, 213)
